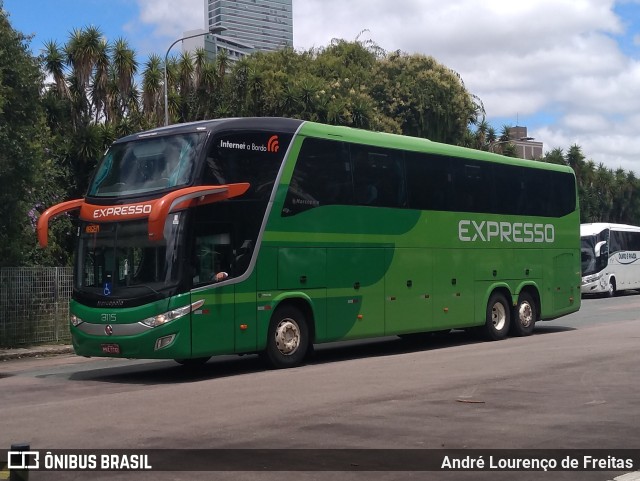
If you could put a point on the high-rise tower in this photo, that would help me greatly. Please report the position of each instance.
(263, 24)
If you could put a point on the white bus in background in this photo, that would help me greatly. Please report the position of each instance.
(610, 258)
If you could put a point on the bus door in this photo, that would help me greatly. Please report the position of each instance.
(408, 291)
(355, 292)
(227, 322)
(212, 326)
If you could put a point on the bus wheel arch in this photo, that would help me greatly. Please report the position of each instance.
(526, 312)
(290, 334)
(611, 287)
(498, 316)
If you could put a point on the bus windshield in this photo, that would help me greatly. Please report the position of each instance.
(147, 165)
(592, 262)
(118, 261)
(588, 255)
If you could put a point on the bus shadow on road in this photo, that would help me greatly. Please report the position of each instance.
(169, 372)
(389, 346)
(545, 329)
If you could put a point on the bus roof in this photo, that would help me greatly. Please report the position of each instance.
(347, 134)
(417, 144)
(596, 227)
(277, 124)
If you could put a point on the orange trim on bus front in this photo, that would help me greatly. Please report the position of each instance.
(189, 197)
(155, 210)
(42, 227)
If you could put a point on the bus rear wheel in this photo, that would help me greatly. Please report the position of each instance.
(498, 318)
(287, 338)
(525, 316)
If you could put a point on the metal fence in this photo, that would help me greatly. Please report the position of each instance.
(34, 305)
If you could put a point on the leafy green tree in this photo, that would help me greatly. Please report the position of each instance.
(355, 84)
(28, 177)
(555, 156)
(93, 99)
(424, 97)
(605, 195)
(153, 91)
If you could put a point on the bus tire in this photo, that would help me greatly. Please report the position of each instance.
(287, 338)
(525, 315)
(611, 288)
(496, 326)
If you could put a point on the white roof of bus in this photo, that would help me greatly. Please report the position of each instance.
(592, 229)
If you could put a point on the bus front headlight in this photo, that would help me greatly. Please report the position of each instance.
(592, 278)
(172, 315)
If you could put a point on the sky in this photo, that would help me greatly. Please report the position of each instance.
(568, 70)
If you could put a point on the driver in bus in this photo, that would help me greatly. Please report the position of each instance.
(242, 259)
(220, 276)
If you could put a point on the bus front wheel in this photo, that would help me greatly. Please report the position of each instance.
(525, 316)
(498, 319)
(287, 338)
(611, 289)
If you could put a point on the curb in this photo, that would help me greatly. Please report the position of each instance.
(35, 351)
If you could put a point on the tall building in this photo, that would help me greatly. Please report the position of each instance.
(244, 26)
(263, 24)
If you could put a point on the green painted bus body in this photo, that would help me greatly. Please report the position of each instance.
(362, 272)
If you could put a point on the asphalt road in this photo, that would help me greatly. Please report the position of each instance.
(572, 385)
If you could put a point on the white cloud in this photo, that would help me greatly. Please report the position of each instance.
(535, 60)
(586, 123)
(171, 18)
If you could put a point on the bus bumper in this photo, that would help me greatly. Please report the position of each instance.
(596, 284)
(172, 341)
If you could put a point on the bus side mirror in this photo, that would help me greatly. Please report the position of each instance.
(601, 248)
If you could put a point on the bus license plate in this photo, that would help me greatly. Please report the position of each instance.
(111, 348)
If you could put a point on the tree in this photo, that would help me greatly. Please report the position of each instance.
(605, 195)
(25, 172)
(425, 98)
(153, 90)
(356, 84)
(93, 100)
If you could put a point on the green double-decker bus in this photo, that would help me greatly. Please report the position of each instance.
(270, 235)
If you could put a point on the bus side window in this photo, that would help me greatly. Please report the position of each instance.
(616, 242)
(634, 241)
(212, 251)
(322, 176)
(473, 182)
(378, 176)
(216, 170)
(242, 257)
(429, 181)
